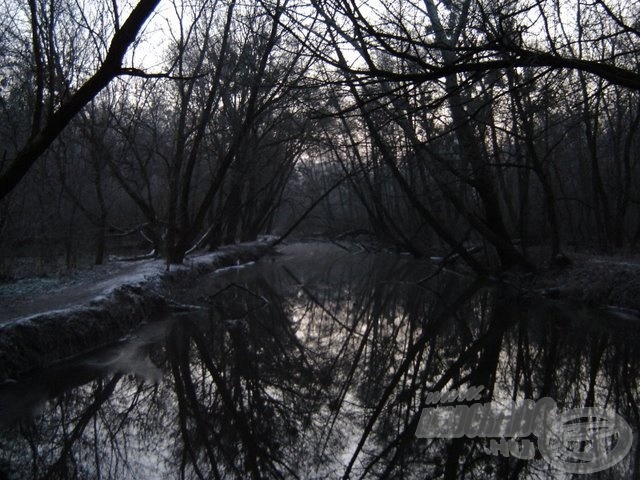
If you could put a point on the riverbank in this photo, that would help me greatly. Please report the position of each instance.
(595, 280)
(72, 319)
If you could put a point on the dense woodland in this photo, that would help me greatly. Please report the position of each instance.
(483, 129)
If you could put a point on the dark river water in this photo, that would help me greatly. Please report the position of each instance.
(318, 364)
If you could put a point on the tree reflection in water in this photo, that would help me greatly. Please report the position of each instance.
(317, 370)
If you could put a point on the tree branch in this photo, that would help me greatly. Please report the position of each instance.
(110, 68)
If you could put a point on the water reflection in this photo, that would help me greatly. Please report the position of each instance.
(317, 365)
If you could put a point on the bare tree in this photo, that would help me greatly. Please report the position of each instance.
(44, 130)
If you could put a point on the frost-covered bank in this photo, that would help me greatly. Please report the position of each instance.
(109, 309)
